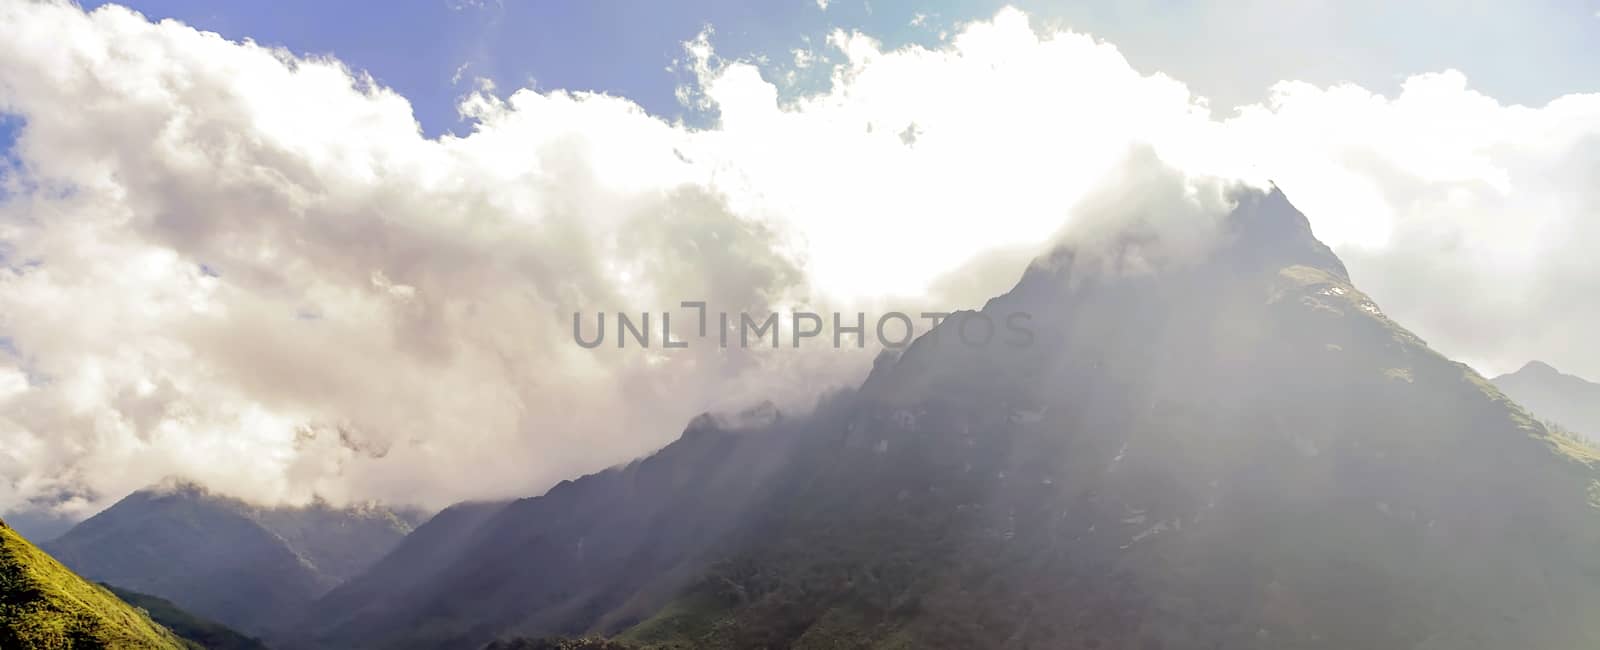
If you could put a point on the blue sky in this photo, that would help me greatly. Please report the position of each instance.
(625, 47)
(621, 48)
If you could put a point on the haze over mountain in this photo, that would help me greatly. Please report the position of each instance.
(1567, 400)
(221, 558)
(1216, 440)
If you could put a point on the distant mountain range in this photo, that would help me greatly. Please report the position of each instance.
(249, 567)
(1566, 400)
(1233, 449)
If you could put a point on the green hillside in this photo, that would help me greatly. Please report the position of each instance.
(45, 606)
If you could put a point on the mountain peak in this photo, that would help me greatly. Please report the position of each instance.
(1568, 401)
(763, 414)
(1264, 226)
(176, 485)
(1537, 367)
(1233, 229)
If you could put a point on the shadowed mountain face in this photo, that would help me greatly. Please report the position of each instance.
(44, 605)
(1231, 449)
(396, 583)
(1569, 401)
(204, 633)
(599, 552)
(221, 558)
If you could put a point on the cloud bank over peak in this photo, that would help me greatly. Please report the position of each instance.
(226, 262)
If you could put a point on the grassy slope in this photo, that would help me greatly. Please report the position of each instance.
(44, 605)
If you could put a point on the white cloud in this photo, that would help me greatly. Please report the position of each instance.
(12, 383)
(252, 270)
(380, 315)
(803, 58)
(1469, 219)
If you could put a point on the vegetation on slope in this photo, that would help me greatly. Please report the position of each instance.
(45, 606)
(209, 634)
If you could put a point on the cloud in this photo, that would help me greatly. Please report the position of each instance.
(250, 269)
(1468, 218)
(229, 263)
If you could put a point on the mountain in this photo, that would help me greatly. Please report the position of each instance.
(609, 547)
(44, 605)
(1240, 451)
(1212, 444)
(39, 523)
(1569, 401)
(245, 566)
(207, 634)
(363, 602)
